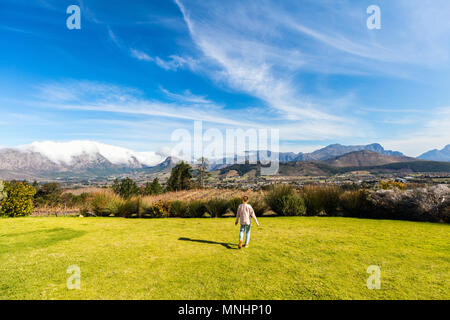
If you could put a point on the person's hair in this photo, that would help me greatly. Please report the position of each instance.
(245, 198)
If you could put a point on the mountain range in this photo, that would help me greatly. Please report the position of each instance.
(437, 155)
(48, 159)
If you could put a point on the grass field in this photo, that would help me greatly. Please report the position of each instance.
(289, 258)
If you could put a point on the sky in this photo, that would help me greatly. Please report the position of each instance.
(137, 71)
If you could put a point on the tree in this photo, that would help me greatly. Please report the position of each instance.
(19, 199)
(180, 177)
(36, 185)
(153, 187)
(156, 187)
(202, 171)
(2, 193)
(116, 186)
(48, 193)
(125, 188)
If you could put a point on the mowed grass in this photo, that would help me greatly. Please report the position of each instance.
(289, 258)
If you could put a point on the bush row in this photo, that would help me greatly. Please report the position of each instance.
(109, 204)
(421, 204)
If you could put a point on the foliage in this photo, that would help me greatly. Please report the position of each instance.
(275, 194)
(196, 209)
(234, 203)
(354, 203)
(70, 200)
(217, 207)
(159, 209)
(116, 186)
(259, 206)
(18, 201)
(49, 194)
(105, 203)
(2, 192)
(153, 188)
(130, 208)
(292, 205)
(180, 177)
(323, 198)
(390, 184)
(179, 209)
(125, 188)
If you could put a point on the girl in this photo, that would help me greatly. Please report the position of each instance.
(245, 212)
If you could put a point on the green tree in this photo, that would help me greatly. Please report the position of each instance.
(125, 188)
(36, 185)
(116, 186)
(156, 187)
(147, 190)
(180, 177)
(18, 201)
(49, 194)
(152, 188)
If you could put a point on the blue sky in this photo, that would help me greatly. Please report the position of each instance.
(138, 70)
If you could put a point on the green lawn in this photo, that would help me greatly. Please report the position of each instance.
(289, 258)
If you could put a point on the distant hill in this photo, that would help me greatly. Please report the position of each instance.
(328, 152)
(365, 158)
(437, 155)
(335, 150)
(352, 161)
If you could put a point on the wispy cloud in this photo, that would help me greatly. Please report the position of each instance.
(249, 61)
(93, 96)
(140, 55)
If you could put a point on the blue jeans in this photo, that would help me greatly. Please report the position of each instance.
(245, 229)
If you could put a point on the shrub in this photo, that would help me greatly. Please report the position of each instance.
(292, 205)
(71, 200)
(130, 208)
(18, 201)
(321, 198)
(421, 204)
(179, 209)
(105, 203)
(274, 195)
(233, 204)
(159, 209)
(196, 209)
(217, 207)
(354, 203)
(125, 188)
(49, 194)
(259, 206)
(389, 184)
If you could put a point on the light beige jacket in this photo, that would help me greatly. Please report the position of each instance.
(245, 212)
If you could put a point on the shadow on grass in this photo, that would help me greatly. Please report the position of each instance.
(231, 246)
(16, 242)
